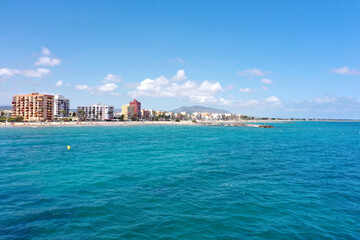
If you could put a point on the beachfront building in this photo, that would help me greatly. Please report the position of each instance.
(127, 111)
(95, 112)
(147, 114)
(34, 107)
(137, 108)
(61, 106)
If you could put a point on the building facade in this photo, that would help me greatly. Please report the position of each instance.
(34, 107)
(127, 111)
(61, 106)
(147, 114)
(137, 108)
(95, 112)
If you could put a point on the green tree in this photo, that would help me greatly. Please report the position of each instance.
(63, 112)
(74, 114)
(2, 114)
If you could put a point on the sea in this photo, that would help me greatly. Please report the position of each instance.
(299, 180)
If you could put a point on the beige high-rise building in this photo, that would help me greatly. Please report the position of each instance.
(127, 111)
(34, 107)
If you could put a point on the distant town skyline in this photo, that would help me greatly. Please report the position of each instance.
(259, 58)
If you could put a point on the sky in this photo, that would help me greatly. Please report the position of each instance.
(259, 58)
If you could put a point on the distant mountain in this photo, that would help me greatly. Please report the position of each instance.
(5, 107)
(193, 109)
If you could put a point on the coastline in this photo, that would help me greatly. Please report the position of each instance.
(246, 123)
(130, 123)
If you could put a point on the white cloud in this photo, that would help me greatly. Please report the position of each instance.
(265, 88)
(273, 100)
(247, 90)
(266, 103)
(107, 87)
(45, 51)
(114, 94)
(48, 61)
(180, 76)
(81, 87)
(9, 72)
(59, 83)
(346, 71)
(163, 87)
(266, 81)
(253, 72)
(325, 99)
(112, 78)
(38, 73)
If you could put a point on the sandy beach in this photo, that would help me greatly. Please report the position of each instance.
(125, 123)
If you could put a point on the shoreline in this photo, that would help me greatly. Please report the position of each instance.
(245, 123)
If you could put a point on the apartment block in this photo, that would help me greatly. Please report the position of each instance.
(96, 112)
(137, 108)
(61, 106)
(127, 111)
(34, 107)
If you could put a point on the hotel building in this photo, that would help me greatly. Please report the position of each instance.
(34, 107)
(96, 112)
(61, 106)
(127, 111)
(137, 108)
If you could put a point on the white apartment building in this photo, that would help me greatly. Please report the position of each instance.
(96, 112)
(61, 106)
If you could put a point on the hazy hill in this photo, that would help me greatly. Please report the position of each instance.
(193, 109)
(5, 107)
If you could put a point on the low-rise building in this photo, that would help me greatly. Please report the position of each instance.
(147, 114)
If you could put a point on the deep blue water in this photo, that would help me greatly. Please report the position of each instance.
(296, 181)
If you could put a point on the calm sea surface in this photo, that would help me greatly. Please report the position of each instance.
(296, 181)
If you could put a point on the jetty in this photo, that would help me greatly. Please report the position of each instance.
(235, 124)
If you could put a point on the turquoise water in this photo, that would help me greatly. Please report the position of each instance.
(296, 181)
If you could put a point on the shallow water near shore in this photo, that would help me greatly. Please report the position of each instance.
(296, 181)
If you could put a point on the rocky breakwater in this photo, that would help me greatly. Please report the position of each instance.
(235, 124)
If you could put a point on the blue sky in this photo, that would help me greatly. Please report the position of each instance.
(262, 58)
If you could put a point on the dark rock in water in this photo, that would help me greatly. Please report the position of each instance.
(265, 126)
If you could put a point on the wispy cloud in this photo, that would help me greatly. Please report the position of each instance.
(346, 71)
(253, 72)
(59, 83)
(48, 61)
(45, 51)
(176, 60)
(266, 81)
(327, 106)
(9, 72)
(82, 87)
(108, 86)
(37, 73)
(112, 78)
(247, 90)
